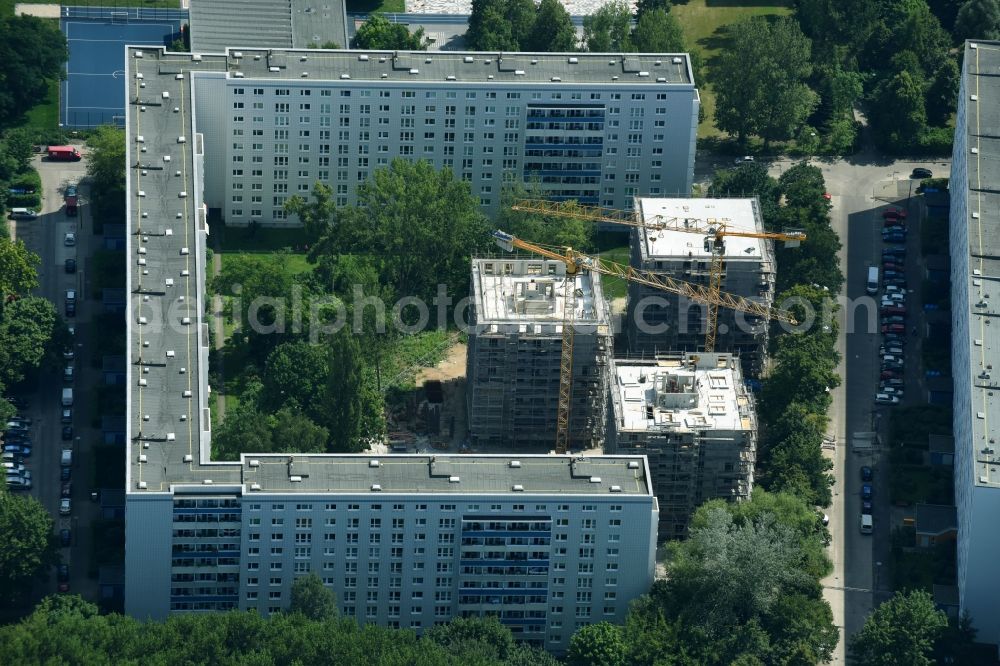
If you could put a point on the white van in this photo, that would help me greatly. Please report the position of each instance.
(867, 527)
(872, 286)
(23, 214)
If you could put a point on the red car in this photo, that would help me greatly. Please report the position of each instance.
(889, 374)
(893, 310)
(894, 211)
(893, 328)
(889, 266)
(893, 222)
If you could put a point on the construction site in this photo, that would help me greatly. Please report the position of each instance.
(518, 311)
(541, 374)
(693, 416)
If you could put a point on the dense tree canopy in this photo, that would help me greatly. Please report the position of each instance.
(33, 52)
(901, 631)
(313, 599)
(609, 28)
(381, 34)
(742, 589)
(542, 229)
(518, 25)
(760, 80)
(106, 169)
(27, 548)
(68, 630)
(978, 19)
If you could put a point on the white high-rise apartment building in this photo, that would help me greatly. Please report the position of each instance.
(598, 128)
(975, 301)
(547, 543)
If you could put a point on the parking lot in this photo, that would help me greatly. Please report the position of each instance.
(55, 417)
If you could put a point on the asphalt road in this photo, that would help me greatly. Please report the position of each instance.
(44, 236)
(860, 188)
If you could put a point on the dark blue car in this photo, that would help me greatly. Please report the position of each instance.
(866, 473)
(866, 491)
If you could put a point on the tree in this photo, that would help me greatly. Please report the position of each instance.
(643, 6)
(489, 27)
(900, 631)
(295, 373)
(898, 125)
(553, 30)
(608, 29)
(520, 14)
(545, 230)
(760, 80)
(598, 644)
(978, 19)
(19, 274)
(381, 34)
(473, 637)
(294, 432)
(313, 599)
(28, 548)
(244, 429)
(353, 411)
(27, 327)
(33, 52)
(18, 145)
(316, 213)
(106, 168)
(942, 93)
(658, 32)
(747, 180)
(419, 224)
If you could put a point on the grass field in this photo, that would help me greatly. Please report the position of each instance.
(613, 247)
(703, 22)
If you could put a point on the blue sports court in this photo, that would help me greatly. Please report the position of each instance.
(94, 93)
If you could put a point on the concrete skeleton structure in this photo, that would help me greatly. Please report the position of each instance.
(673, 323)
(975, 298)
(515, 343)
(404, 541)
(597, 128)
(694, 419)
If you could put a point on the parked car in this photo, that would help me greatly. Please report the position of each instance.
(894, 211)
(64, 473)
(883, 399)
(895, 383)
(867, 491)
(894, 338)
(66, 490)
(893, 390)
(65, 506)
(746, 159)
(68, 354)
(893, 289)
(894, 252)
(890, 351)
(893, 266)
(62, 573)
(892, 310)
(866, 508)
(65, 537)
(70, 309)
(68, 373)
(894, 229)
(896, 282)
(894, 239)
(890, 222)
(18, 449)
(69, 240)
(67, 433)
(70, 191)
(893, 319)
(67, 415)
(18, 483)
(894, 328)
(889, 275)
(70, 265)
(921, 172)
(866, 473)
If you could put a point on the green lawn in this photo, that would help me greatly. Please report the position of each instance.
(45, 114)
(703, 22)
(295, 261)
(613, 247)
(261, 239)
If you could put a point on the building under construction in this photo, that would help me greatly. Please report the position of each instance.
(660, 322)
(515, 342)
(694, 418)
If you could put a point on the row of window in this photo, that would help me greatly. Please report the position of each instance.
(470, 508)
(433, 94)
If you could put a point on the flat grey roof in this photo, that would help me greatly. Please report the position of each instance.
(459, 474)
(982, 124)
(466, 67)
(167, 423)
(217, 24)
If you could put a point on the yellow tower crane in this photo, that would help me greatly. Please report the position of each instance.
(714, 230)
(577, 262)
